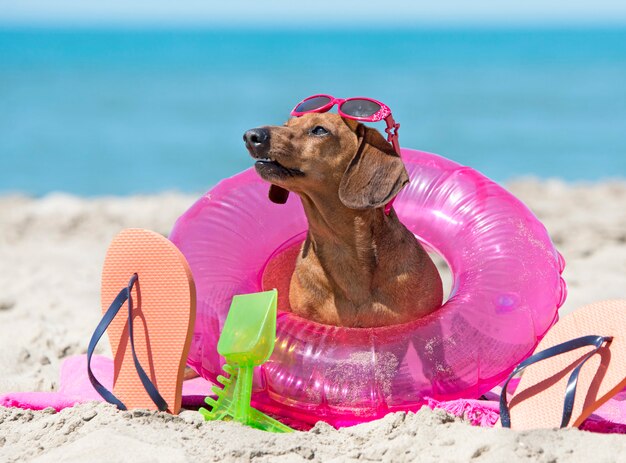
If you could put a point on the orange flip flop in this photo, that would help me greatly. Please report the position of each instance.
(159, 296)
(577, 366)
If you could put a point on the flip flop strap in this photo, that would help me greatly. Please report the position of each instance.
(123, 296)
(570, 391)
(148, 385)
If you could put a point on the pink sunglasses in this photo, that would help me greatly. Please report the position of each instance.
(359, 109)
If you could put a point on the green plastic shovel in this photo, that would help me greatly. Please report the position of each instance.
(246, 341)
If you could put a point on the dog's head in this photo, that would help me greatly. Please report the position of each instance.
(322, 153)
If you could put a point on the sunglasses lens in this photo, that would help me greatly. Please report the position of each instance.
(312, 104)
(360, 108)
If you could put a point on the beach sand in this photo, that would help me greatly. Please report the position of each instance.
(51, 252)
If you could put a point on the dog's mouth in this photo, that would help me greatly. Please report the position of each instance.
(272, 168)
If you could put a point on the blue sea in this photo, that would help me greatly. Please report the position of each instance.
(114, 111)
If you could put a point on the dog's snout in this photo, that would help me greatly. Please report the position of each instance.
(256, 138)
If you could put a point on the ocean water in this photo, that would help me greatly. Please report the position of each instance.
(116, 111)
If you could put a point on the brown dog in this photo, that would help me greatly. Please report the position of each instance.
(358, 267)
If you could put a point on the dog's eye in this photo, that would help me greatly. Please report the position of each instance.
(318, 131)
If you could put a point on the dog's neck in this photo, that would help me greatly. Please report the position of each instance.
(346, 242)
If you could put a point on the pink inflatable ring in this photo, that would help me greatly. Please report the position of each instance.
(507, 287)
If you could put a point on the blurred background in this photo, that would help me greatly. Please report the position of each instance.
(119, 98)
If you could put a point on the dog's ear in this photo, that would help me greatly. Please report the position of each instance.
(375, 174)
(278, 194)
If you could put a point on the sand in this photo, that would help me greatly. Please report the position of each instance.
(51, 251)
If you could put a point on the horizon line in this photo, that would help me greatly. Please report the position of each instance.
(330, 26)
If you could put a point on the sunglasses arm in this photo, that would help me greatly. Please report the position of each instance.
(392, 137)
(392, 133)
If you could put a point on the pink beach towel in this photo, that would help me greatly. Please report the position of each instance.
(608, 419)
(75, 388)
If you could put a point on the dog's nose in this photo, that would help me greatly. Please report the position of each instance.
(256, 138)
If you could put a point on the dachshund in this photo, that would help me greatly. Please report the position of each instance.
(359, 266)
